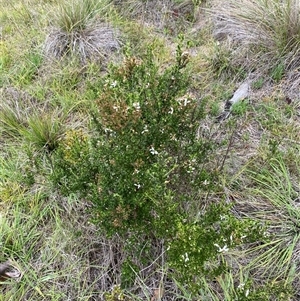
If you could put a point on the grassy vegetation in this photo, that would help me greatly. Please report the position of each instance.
(117, 181)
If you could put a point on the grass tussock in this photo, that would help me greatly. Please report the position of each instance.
(269, 30)
(168, 17)
(78, 30)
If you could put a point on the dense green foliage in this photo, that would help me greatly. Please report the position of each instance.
(142, 166)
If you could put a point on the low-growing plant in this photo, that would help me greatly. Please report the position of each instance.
(16, 174)
(277, 72)
(240, 288)
(5, 57)
(258, 84)
(12, 119)
(27, 71)
(116, 294)
(240, 107)
(199, 249)
(222, 61)
(276, 118)
(44, 130)
(38, 124)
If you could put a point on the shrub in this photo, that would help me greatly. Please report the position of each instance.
(144, 149)
(143, 166)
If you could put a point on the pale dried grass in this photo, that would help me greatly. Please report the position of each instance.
(165, 16)
(265, 32)
(97, 42)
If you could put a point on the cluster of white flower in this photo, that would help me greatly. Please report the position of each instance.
(114, 84)
(241, 286)
(222, 250)
(205, 182)
(111, 84)
(145, 130)
(153, 151)
(183, 102)
(137, 185)
(185, 257)
(222, 217)
(136, 171)
(191, 167)
(107, 130)
(136, 105)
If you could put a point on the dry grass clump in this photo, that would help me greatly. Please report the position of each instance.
(269, 30)
(78, 30)
(169, 16)
(24, 117)
(15, 110)
(271, 197)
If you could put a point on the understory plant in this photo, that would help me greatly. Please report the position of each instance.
(144, 168)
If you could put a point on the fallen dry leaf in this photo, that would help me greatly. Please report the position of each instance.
(7, 271)
(158, 293)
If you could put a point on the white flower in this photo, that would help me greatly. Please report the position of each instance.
(241, 286)
(107, 130)
(145, 130)
(171, 111)
(137, 185)
(185, 257)
(222, 250)
(190, 169)
(114, 84)
(247, 293)
(186, 101)
(205, 182)
(136, 171)
(153, 151)
(136, 105)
